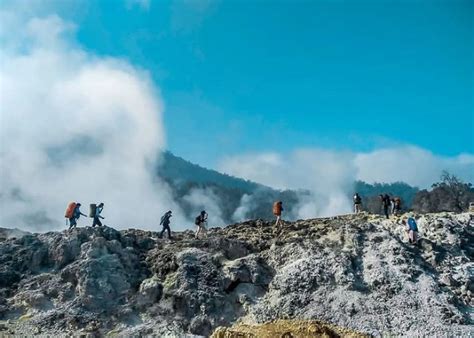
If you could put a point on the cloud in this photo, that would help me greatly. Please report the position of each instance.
(329, 175)
(76, 127)
(413, 165)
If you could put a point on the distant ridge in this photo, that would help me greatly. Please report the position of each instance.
(176, 168)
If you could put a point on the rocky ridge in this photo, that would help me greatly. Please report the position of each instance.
(355, 271)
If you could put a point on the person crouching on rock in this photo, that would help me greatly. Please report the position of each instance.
(201, 221)
(277, 209)
(165, 222)
(412, 230)
(97, 215)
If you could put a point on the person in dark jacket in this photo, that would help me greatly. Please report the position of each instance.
(357, 203)
(165, 222)
(97, 215)
(201, 221)
(75, 216)
(386, 203)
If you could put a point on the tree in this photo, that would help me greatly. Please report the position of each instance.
(450, 194)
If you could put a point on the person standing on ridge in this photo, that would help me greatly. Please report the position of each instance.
(201, 221)
(277, 209)
(96, 214)
(397, 206)
(385, 199)
(73, 213)
(165, 221)
(357, 203)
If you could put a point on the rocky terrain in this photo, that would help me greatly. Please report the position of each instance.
(355, 271)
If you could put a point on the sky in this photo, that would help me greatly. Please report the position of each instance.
(258, 76)
(293, 95)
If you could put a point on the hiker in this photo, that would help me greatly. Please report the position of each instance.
(412, 230)
(73, 213)
(165, 221)
(277, 209)
(385, 199)
(96, 214)
(397, 206)
(357, 203)
(201, 221)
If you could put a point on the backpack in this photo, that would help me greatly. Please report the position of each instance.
(357, 199)
(70, 210)
(412, 224)
(197, 221)
(165, 219)
(92, 210)
(277, 208)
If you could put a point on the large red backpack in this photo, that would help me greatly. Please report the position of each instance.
(70, 210)
(277, 208)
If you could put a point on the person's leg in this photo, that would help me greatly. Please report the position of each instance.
(277, 223)
(98, 222)
(169, 231)
(198, 230)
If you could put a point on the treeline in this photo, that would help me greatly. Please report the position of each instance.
(449, 194)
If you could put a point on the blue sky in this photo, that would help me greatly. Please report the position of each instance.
(254, 76)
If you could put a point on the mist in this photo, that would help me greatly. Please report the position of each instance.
(77, 127)
(329, 175)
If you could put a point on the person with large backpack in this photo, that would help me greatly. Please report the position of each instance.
(95, 213)
(397, 206)
(201, 221)
(357, 203)
(412, 230)
(165, 221)
(277, 209)
(73, 213)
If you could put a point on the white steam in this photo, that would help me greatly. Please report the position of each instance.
(205, 199)
(329, 175)
(76, 127)
(246, 203)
